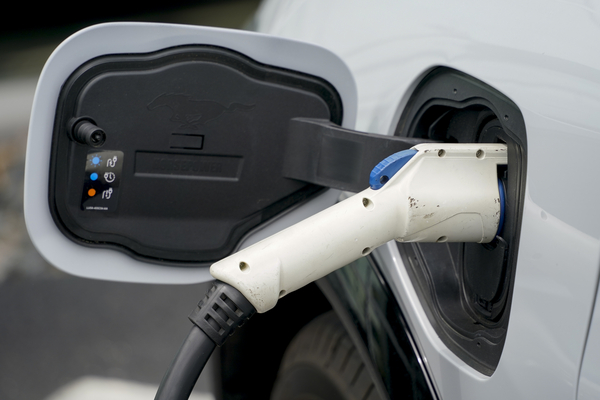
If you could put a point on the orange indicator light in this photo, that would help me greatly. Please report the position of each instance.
(92, 192)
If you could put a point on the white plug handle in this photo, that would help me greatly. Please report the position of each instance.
(445, 193)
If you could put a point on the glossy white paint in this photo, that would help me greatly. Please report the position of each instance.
(545, 56)
(589, 380)
(140, 38)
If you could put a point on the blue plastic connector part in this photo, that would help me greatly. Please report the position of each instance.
(502, 205)
(386, 169)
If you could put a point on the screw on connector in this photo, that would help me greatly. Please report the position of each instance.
(84, 131)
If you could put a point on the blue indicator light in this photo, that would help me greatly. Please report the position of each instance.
(94, 176)
(95, 160)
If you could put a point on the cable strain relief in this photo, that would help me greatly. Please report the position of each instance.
(221, 311)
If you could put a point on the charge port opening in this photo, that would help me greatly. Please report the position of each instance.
(473, 300)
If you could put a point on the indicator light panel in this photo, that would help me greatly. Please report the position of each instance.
(102, 179)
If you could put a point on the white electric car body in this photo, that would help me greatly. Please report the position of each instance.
(545, 57)
(512, 319)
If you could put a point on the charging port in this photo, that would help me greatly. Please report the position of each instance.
(469, 307)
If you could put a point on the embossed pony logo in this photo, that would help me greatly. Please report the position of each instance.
(190, 112)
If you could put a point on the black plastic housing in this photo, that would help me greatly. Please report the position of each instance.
(326, 154)
(466, 288)
(221, 312)
(193, 151)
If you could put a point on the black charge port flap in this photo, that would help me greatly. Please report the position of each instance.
(199, 133)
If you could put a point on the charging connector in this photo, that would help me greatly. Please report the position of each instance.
(431, 193)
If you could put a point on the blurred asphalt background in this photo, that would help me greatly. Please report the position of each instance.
(61, 337)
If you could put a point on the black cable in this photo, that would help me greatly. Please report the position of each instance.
(218, 314)
(185, 369)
